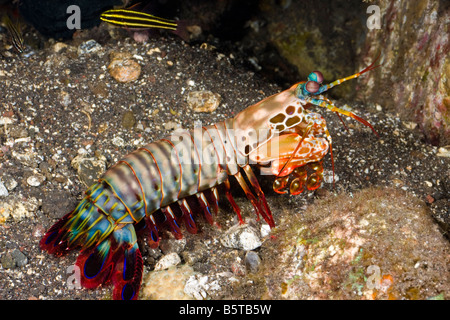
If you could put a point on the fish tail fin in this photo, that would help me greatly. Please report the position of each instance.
(182, 30)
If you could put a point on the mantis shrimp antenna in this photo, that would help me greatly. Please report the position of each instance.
(311, 90)
(326, 87)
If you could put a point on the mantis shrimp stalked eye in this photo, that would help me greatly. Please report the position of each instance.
(311, 87)
(316, 76)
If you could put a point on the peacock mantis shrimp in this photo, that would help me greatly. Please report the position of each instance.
(167, 181)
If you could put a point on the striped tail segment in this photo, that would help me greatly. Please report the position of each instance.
(117, 259)
(107, 238)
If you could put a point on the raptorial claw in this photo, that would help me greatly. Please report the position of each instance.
(260, 208)
(267, 214)
(280, 150)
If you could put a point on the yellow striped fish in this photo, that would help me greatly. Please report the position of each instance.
(15, 33)
(135, 19)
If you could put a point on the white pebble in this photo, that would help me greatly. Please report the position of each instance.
(35, 180)
(167, 261)
(118, 142)
(3, 190)
(197, 286)
(242, 237)
(265, 230)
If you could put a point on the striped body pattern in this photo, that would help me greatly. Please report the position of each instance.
(15, 33)
(156, 176)
(136, 19)
(164, 184)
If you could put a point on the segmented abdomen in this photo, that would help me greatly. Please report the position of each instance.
(163, 172)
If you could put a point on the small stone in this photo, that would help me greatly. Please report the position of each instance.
(56, 203)
(194, 31)
(153, 253)
(18, 208)
(18, 132)
(35, 180)
(57, 47)
(128, 120)
(444, 152)
(19, 258)
(410, 125)
(39, 231)
(123, 68)
(172, 245)
(196, 254)
(252, 261)
(6, 120)
(7, 261)
(167, 261)
(90, 46)
(89, 169)
(265, 230)
(59, 178)
(203, 101)
(238, 268)
(64, 98)
(118, 142)
(153, 50)
(171, 125)
(197, 286)
(141, 36)
(140, 127)
(244, 237)
(3, 190)
(30, 159)
(99, 89)
(429, 198)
